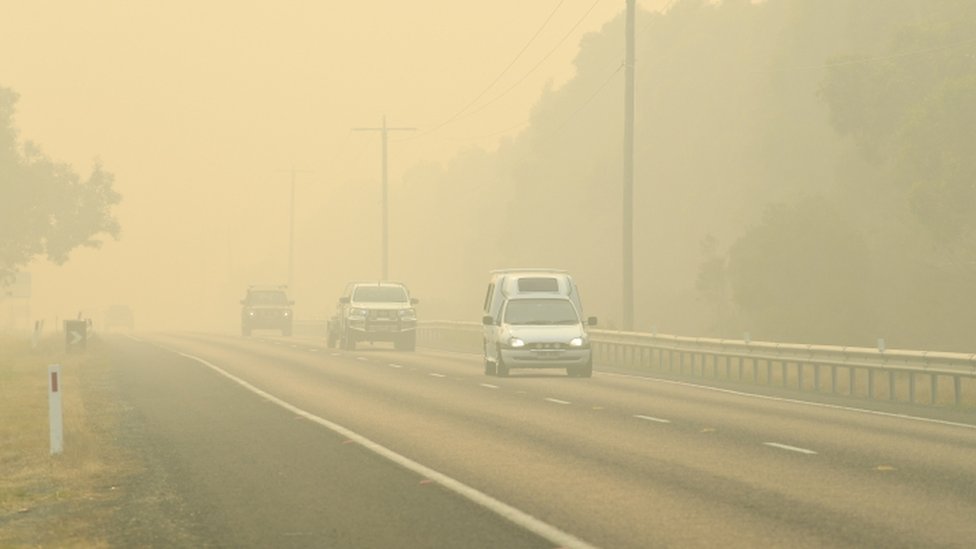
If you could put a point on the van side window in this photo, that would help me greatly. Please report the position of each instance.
(538, 284)
(491, 287)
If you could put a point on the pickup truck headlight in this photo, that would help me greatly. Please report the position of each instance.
(577, 342)
(516, 343)
(361, 313)
(408, 314)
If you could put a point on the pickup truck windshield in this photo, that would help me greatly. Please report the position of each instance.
(541, 311)
(381, 294)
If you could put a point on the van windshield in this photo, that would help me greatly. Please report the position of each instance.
(541, 311)
(381, 294)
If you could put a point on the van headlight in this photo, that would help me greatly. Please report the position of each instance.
(577, 342)
(516, 343)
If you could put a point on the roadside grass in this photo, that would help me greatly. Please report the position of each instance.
(63, 500)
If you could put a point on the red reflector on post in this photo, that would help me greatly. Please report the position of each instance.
(54, 382)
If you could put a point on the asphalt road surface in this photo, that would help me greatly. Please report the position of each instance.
(281, 442)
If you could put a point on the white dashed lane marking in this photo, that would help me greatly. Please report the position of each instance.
(488, 386)
(435, 374)
(392, 365)
(790, 448)
(557, 401)
(362, 358)
(654, 419)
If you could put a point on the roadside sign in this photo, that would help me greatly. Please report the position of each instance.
(55, 417)
(75, 335)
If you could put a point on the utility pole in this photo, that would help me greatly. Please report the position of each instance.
(628, 186)
(384, 129)
(291, 229)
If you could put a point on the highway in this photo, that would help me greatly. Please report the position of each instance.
(284, 442)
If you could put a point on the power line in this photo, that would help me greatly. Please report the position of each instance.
(537, 65)
(501, 74)
(461, 115)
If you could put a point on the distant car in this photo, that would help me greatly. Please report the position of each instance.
(119, 316)
(375, 311)
(266, 307)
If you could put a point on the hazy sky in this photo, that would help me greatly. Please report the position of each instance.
(199, 107)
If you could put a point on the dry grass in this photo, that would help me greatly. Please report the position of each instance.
(63, 500)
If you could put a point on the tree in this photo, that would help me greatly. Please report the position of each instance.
(46, 208)
(804, 275)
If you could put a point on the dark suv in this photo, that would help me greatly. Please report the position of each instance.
(375, 311)
(266, 307)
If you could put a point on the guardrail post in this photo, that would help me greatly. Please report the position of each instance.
(934, 389)
(833, 380)
(891, 385)
(799, 375)
(957, 381)
(871, 383)
(911, 387)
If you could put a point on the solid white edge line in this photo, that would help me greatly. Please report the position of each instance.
(557, 401)
(520, 518)
(651, 418)
(790, 448)
(795, 401)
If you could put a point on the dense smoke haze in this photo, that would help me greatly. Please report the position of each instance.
(804, 170)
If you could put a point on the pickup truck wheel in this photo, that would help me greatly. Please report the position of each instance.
(406, 342)
(348, 343)
(245, 331)
(501, 369)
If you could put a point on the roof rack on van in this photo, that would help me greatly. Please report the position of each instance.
(529, 270)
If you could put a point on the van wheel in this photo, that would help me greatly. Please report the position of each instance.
(585, 370)
(501, 369)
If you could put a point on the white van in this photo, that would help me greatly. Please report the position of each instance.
(533, 318)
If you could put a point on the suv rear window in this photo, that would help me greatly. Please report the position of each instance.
(267, 298)
(538, 284)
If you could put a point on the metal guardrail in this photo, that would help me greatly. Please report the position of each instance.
(916, 377)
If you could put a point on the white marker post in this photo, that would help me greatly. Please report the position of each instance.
(54, 408)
